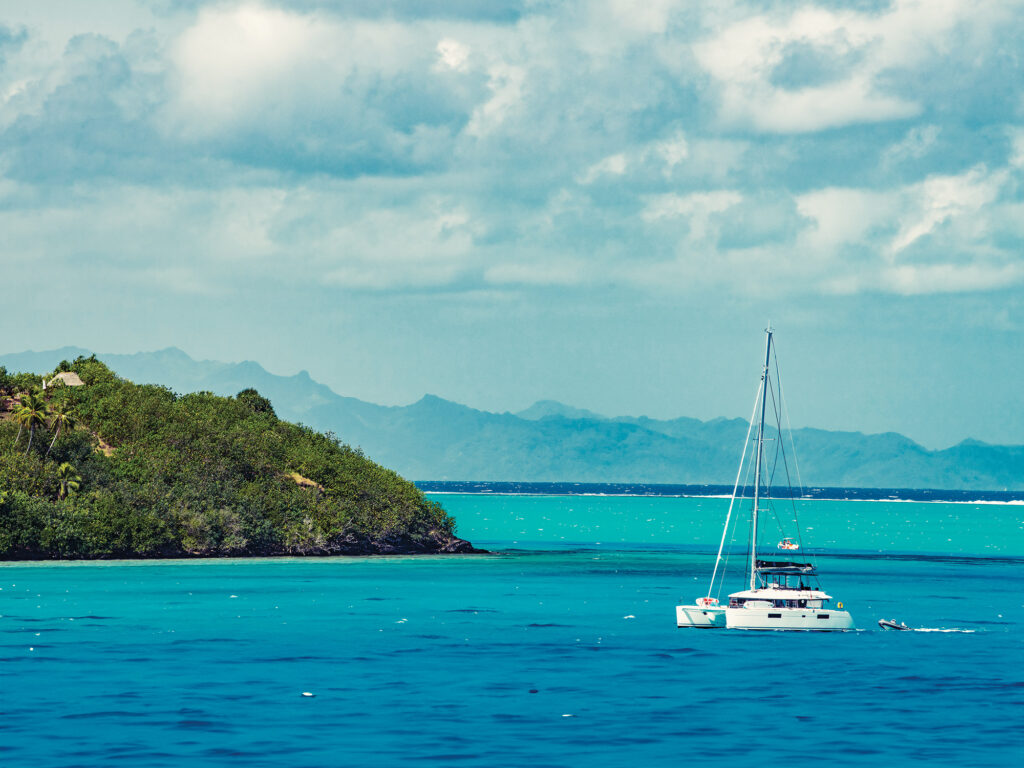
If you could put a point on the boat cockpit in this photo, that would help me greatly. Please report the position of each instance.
(777, 574)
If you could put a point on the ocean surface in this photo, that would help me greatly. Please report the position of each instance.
(559, 649)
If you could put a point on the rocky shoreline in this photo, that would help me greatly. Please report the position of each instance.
(399, 545)
(452, 547)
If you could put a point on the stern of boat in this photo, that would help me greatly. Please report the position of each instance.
(700, 617)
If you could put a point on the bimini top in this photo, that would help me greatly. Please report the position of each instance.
(783, 567)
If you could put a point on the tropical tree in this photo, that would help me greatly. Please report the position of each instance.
(15, 407)
(31, 414)
(61, 418)
(68, 479)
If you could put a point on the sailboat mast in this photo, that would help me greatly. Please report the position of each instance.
(757, 465)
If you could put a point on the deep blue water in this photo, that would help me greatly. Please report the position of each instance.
(547, 654)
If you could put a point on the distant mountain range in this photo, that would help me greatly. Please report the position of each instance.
(436, 439)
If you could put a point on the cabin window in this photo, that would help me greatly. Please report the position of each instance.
(822, 615)
(774, 615)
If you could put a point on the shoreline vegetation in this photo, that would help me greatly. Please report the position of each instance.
(93, 466)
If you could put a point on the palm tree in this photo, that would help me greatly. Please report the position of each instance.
(15, 410)
(69, 481)
(31, 414)
(61, 418)
(11, 405)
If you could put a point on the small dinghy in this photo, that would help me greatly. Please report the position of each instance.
(787, 544)
(891, 624)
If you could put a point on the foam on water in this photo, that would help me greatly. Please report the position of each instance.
(940, 629)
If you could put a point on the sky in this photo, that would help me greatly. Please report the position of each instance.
(602, 203)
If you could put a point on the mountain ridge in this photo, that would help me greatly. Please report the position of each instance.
(439, 439)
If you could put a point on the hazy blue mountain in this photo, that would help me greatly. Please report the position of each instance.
(435, 439)
(40, 362)
(545, 408)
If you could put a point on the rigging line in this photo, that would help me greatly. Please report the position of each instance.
(739, 470)
(775, 462)
(750, 527)
(782, 446)
(741, 494)
(728, 555)
(789, 427)
(735, 521)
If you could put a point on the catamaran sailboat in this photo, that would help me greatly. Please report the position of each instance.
(782, 594)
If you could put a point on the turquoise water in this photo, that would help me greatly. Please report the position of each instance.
(546, 654)
(696, 523)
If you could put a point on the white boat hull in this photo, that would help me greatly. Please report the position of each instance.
(701, 618)
(805, 619)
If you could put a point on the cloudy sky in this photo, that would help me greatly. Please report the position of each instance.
(599, 202)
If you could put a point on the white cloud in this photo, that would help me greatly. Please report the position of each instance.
(649, 18)
(695, 209)
(1016, 158)
(662, 156)
(860, 48)
(386, 249)
(506, 85)
(867, 240)
(842, 216)
(613, 165)
(564, 272)
(918, 142)
(697, 204)
(533, 112)
(235, 60)
(916, 279)
(256, 68)
(940, 199)
(452, 54)
(673, 151)
(814, 109)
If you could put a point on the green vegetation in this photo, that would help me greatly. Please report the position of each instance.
(115, 469)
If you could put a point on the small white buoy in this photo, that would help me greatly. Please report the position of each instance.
(308, 695)
(568, 715)
(234, 596)
(631, 616)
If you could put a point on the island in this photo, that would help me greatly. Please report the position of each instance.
(94, 466)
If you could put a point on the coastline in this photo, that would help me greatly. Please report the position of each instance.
(356, 550)
(229, 559)
(714, 491)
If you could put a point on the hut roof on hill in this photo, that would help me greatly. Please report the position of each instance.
(69, 378)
